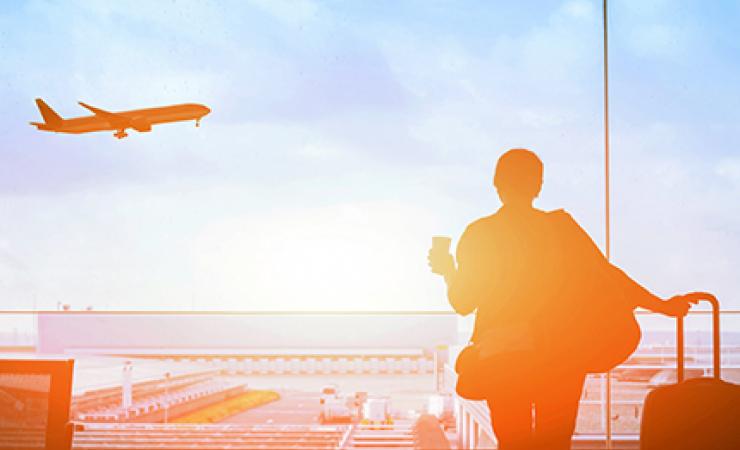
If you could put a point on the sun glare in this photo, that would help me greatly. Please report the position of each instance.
(348, 257)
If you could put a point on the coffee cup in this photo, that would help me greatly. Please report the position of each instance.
(441, 244)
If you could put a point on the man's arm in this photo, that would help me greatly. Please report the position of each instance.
(634, 291)
(459, 294)
(460, 279)
(676, 306)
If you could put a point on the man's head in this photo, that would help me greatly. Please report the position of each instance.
(518, 177)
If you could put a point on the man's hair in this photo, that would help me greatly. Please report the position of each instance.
(519, 172)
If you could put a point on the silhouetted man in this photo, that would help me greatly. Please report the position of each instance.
(523, 272)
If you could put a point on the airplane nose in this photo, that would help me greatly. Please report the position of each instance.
(206, 110)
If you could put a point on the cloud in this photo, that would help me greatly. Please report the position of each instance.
(729, 169)
(291, 12)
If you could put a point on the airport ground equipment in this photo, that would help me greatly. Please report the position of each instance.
(700, 413)
(336, 409)
(328, 391)
(376, 411)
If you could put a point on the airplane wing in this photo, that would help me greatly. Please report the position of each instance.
(113, 118)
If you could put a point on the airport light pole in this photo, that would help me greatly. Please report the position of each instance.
(166, 397)
(126, 389)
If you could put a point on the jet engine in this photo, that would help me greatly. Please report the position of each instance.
(141, 124)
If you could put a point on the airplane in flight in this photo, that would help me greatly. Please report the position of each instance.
(101, 120)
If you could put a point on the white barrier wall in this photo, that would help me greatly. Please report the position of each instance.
(60, 332)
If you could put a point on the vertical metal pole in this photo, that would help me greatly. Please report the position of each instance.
(436, 370)
(166, 397)
(460, 423)
(602, 399)
(465, 429)
(475, 435)
(680, 361)
(717, 363)
(126, 387)
(607, 194)
(607, 205)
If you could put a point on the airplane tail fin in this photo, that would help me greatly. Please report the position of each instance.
(50, 116)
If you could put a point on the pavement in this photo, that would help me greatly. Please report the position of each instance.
(294, 407)
(299, 403)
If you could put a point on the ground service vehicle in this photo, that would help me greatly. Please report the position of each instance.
(376, 411)
(328, 391)
(335, 410)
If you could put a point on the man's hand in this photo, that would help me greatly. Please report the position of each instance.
(441, 263)
(679, 305)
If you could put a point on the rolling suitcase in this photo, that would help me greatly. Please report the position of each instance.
(696, 414)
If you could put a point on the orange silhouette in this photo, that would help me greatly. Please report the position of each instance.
(138, 119)
(549, 309)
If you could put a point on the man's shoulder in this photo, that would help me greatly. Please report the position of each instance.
(481, 224)
(486, 223)
(561, 212)
(561, 216)
(568, 228)
(476, 236)
(478, 231)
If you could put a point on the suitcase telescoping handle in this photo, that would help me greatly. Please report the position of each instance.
(680, 361)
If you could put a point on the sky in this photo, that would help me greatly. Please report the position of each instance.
(344, 135)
